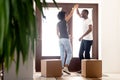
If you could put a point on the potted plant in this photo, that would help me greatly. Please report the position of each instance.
(17, 29)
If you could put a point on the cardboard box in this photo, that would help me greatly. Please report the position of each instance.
(91, 68)
(51, 68)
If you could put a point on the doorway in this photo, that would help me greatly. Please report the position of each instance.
(47, 42)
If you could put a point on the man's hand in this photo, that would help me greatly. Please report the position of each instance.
(76, 6)
(77, 10)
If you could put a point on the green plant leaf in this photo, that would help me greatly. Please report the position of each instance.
(18, 61)
(39, 5)
(18, 29)
(55, 3)
(4, 21)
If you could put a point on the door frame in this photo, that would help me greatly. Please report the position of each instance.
(75, 63)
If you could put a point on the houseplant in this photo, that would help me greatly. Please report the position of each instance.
(17, 29)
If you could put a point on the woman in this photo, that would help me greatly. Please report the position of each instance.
(62, 32)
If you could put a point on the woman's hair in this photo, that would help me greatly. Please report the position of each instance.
(61, 15)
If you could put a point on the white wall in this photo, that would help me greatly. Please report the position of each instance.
(110, 45)
(26, 70)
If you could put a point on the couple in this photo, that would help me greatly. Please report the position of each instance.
(64, 42)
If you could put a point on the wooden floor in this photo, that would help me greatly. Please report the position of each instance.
(77, 76)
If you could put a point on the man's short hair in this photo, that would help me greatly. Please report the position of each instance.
(85, 10)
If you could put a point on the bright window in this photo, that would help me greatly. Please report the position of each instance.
(50, 42)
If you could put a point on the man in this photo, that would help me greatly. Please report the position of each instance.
(64, 42)
(87, 36)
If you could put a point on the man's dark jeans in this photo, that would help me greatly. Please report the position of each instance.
(84, 52)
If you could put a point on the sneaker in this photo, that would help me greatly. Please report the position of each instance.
(66, 70)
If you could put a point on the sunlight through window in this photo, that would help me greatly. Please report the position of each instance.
(50, 42)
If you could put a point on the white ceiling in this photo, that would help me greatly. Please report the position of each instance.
(75, 1)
